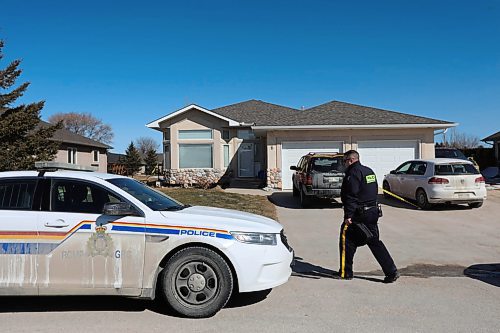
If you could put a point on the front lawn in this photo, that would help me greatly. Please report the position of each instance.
(256, 204)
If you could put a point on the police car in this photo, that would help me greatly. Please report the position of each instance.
(68, 232)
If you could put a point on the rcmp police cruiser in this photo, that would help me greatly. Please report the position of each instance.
(361, 213)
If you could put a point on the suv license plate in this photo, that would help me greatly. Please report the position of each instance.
(331, 179)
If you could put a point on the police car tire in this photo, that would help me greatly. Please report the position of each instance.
(295, 191)
(176, 292)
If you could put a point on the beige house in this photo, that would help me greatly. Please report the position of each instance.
(255, 139)
(79, 150)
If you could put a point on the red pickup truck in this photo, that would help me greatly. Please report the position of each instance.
(318, 175)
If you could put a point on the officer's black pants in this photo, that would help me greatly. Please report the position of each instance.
(349, 242)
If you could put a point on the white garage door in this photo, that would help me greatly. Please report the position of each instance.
(385, 155)
(291, 152)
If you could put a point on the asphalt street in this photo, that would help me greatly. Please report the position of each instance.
(449, 259)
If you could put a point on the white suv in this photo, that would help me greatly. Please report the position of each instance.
(86, 233)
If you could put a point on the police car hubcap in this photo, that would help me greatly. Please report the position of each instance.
(196, 283)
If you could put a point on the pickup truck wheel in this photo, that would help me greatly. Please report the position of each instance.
(304, 200)
(197, 282)
(422, 200)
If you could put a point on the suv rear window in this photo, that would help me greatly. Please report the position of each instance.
(327, 164)
(17, 194)
(455, 169)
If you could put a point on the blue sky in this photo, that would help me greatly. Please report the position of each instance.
(131, 62)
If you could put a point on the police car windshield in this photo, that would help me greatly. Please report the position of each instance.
(151, 198)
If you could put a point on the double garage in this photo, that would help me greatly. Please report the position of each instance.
(380, 155)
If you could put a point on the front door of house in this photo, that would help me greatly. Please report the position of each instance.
(246, 160)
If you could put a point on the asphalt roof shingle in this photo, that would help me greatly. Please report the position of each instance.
(332, 113)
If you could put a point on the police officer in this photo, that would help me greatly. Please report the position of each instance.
(359, 197)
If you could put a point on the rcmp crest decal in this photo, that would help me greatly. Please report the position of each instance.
(100, 243)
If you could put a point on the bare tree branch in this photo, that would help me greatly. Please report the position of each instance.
(84, 124)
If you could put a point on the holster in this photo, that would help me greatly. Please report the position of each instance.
(361, 234)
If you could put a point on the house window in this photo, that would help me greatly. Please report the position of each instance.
(225, 134)
(226, 156)
(95, 155)
(195, 134)
(72, 156)
(195, 156)
(246, 134)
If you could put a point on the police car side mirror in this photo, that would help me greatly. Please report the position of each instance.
(293, 167)
(393, 172)
(118, 209)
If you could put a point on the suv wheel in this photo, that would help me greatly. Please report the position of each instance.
(197, 282)
(304, 200)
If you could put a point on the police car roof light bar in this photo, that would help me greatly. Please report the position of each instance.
(44, 166)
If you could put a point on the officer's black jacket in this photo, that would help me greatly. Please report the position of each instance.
(359, 188)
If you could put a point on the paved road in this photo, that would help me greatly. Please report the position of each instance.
(431, 248)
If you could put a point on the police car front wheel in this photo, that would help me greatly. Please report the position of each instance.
(197, 282)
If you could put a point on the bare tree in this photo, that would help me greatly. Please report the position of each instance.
(84, 124)
(461, 140)
(145, 144)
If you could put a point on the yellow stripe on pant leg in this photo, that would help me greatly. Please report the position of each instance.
(342, 265)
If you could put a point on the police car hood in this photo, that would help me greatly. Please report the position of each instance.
(232, 220)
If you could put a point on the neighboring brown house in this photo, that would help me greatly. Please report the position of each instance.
(80, 150)
(494, 139)
(256, 139)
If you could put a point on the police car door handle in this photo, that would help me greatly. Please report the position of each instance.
(56, 224)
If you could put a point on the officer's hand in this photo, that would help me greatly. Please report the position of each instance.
(348, 221)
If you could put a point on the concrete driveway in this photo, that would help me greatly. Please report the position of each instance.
(432, 250)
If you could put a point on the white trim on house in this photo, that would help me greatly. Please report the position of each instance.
(381, 126)
(156, 123)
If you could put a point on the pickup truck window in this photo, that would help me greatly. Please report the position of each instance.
(325, 164)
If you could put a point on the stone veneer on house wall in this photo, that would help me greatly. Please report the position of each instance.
(189, 177)
(274, 178)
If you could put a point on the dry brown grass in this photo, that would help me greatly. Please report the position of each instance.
(215, 197)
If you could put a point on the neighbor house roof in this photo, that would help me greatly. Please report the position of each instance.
(65, 136)
(493, 137)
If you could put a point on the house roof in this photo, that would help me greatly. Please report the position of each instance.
(493, 137)
(334, 114)
(331, 114)
(155, 124)
(65, 136)
(258, 113)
